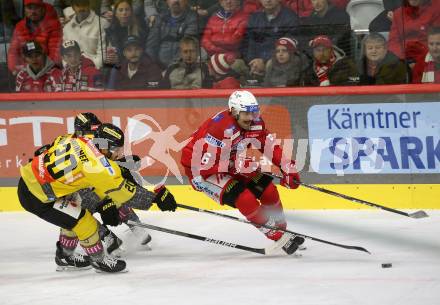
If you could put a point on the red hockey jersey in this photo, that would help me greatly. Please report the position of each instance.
(86, 78)
(220, 140)
(46, 80)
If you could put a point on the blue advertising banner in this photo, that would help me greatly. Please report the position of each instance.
(379, 138)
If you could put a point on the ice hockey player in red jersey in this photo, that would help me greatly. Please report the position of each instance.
(214, 165)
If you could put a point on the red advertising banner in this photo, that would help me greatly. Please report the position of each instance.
(155, 134)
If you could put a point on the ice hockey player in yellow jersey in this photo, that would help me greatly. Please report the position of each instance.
(49, 184)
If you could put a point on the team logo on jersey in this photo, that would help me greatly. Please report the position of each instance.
(107, 165)
(235, 135)
(72, 178)
(218, 117)
(252, 134)
(214, 141)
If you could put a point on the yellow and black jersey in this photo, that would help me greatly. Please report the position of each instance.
(73, 163)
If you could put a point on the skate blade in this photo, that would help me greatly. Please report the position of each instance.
(71, 268)
(277, 246)
(103, 272)
(145, 248)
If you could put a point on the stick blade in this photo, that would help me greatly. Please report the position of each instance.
(359, 249)
(418, 214)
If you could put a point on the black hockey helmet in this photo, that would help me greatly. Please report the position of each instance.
(108, 136)
(86, 123)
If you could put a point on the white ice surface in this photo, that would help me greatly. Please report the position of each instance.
(182, 271)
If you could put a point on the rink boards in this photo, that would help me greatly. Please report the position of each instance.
(403, 196)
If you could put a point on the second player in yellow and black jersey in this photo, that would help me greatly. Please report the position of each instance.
(72, 164)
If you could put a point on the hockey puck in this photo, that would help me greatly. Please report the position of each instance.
(387, 265)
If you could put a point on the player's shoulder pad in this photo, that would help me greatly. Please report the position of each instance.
(219, 123)
(217, 133)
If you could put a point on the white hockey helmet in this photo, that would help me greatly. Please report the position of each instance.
(242, 100)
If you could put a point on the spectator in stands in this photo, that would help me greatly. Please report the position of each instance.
(65, 12)
(79, 73)
(39, 74)
(330, 66)
(88, 30)
(203, 9)
(342, 4)
(8, 18)
(169, 29)
(325, 13)
(287, 66)
(378, 66)
(382, 22)
(124, 23)
(427, 68)
(407, 37)
(39, 24)
(137, 70)
(188, 72)
(226, 29)
(303, 8)
(220, 70)
(107, 9)
(322, 21)
(250, 6)
(264, 29)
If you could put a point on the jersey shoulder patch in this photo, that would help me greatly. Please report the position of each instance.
(213, 141)
(218, 117)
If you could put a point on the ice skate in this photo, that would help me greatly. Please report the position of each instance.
(70, 261)
(142, 237)
(107, 264)
(113, 244)
(292, 243)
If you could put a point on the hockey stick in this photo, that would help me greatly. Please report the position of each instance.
(270, 227)
(418, 214)
(263, 251)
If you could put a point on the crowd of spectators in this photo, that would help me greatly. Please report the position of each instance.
(91, 45)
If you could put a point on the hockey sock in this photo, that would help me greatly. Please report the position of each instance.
(103, 231)
(126, 213)
(96, 251)
(249, 206)
(270, 200)
(68, 241)
(92, 245)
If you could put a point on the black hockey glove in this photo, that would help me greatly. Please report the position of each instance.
(131, 162)
(109, 212)
(128, 164)
(164, 199)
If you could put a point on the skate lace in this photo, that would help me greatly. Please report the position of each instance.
(109, 261)
(78, 257)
